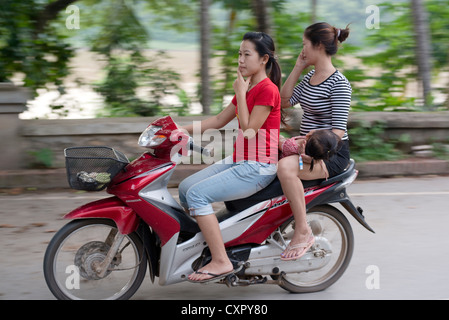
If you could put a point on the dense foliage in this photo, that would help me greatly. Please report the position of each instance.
(36, 46)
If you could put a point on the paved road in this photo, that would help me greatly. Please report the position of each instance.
(407, 258)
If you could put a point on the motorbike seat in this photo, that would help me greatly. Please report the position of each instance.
(274, 189)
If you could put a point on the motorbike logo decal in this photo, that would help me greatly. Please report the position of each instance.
(280, 203)
(192, 246)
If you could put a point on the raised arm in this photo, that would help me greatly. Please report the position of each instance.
(249, 123)
(292, 80)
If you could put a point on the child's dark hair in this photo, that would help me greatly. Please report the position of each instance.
(322, 145)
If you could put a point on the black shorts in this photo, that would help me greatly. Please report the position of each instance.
(339, 161)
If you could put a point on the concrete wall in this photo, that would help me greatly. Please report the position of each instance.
(12, 102)
(421, 127)
(20, 137)
(119, 133)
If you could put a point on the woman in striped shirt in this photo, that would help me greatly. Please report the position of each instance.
(325, 96)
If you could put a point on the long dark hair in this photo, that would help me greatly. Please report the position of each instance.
(327, 35)
(322, 145)
(265, 46)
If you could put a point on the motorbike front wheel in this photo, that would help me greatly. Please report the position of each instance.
(330, 225)
(73, 260)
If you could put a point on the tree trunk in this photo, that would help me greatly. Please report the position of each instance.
(423, 50)
(261, 13)
(227, 41)
(447, 88)
(314, 7)
(50, 12)
(206, 93)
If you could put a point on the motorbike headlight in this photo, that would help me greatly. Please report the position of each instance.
(149, 138)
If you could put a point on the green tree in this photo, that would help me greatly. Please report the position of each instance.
(422, 49)
(30, 46)
(392, 51)
(122, 40)
(205, 35)
(391, 54)
(242, 16)
(439, 30)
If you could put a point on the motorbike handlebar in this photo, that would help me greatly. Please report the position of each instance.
(200, 149)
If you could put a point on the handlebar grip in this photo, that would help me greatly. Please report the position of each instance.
(200, 149)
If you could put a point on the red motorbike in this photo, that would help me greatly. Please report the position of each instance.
(104, 252)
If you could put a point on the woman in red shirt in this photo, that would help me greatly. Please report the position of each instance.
(252, 167)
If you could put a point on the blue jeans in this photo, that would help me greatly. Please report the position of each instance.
(223, 181)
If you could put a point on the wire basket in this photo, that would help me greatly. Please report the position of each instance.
(92, 168)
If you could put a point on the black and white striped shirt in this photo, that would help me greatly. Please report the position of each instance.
(326, 105)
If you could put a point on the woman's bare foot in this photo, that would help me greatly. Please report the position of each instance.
(211, 270)
(298, 246)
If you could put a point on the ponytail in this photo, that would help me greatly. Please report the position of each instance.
(274, 72)
(327, 35)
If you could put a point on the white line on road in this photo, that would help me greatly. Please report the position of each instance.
(394, 194)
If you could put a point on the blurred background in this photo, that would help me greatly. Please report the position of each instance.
(91, 58)
(97, 72)
(85, 59)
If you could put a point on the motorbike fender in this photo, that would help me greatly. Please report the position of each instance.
(331, 196)
(153, 251)
(356, 213)
(112, 208)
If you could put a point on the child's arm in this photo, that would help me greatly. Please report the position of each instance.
(294, 145)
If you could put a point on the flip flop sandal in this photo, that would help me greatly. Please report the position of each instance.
(305, 245)
(215, 277)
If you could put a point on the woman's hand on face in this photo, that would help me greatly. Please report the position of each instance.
(302, 61)
(241, 85)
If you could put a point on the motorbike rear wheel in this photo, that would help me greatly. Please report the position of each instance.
(328, 223)
(73, 257)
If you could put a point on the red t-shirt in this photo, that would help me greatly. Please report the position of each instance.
(264, 146)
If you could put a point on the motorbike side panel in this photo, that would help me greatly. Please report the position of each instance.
(276, 215)
(112, 208)
(163, 224)
(139, 173)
